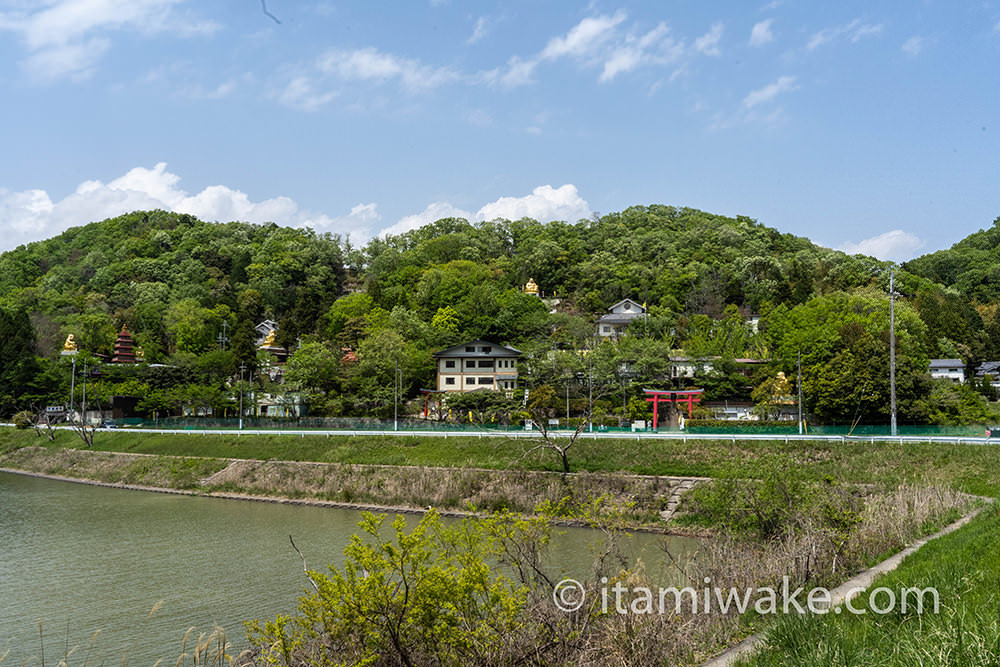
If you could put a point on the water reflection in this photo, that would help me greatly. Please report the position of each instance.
(78, 558)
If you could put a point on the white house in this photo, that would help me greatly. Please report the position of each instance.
(619, 317)
(948, 369)
(478, 364)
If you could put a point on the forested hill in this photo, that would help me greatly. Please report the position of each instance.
(173, 279)
(191, 293)
(153, 270)
(679, 259)
(971, 266)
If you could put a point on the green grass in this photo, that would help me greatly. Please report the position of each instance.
(967, 467)
(964, 568)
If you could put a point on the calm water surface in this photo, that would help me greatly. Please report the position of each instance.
(78, 558)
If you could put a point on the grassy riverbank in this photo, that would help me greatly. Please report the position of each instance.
(970, 468)
(842, 505)
(963, 567)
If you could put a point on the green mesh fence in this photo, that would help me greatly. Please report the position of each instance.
(729, 429)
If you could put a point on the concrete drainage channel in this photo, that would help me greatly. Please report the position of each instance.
(842, 594)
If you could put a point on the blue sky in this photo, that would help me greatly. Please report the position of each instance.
(865, 126)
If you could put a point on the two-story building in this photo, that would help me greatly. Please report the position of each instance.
(948, 369)
(476, 365)
(619, 317)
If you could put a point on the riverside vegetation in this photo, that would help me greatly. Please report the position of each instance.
(474, 591)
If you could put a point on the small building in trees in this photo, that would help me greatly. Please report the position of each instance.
(270, 345)
(988, 371)
(948, 369)
(619, 317)
(264, 330)
(478, 364)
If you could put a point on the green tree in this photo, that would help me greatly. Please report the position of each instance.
(17, 354)
(428, 596)
(315, 369)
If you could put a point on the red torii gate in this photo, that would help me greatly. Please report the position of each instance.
(655, 396)
(432, 394)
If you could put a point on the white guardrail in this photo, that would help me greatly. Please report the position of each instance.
(524, 434)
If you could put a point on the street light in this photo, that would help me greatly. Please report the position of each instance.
(396, 381)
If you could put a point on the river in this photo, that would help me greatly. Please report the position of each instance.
(76, 558)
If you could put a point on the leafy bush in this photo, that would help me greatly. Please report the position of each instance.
(773, 499)
(420, 598)
(24, 419)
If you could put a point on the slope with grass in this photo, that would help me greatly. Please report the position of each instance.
(963, 567)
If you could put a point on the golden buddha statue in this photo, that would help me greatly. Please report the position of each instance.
(270, 340)
(531, 287)
(70, 344)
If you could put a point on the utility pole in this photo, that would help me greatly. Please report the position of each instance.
(222, 337)
(799, 383)
(567, 399)
(395, 397)
(242, 368)
(72, 389)
(892, 351)
(83, 401)
(590, 391)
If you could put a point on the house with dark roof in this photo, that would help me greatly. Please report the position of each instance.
(619, 317)
(991, 370)
(948, 369)
(478, 364)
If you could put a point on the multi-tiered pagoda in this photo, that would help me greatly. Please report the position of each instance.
(124, 352)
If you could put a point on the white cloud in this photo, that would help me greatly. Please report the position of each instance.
(586, 36)
(600, 41)
(479, 30)
(544, 204)
(301, 92)
(769, 92)
(761, 33)
(434, 211)
(68, 37)
(708, 43)
(853, 31)
(896, 246)
(369, 64)
(519, 73)
(655, 47)
(914, 46)
(32, 215)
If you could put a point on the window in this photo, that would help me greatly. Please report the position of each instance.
(487, 349)
(449, 364)
(486, 363)
(470, 348)
(485, 380)
(470, 380)
(450, 381)
(470, 364)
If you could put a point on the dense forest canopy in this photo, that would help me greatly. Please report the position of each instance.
(191, 292)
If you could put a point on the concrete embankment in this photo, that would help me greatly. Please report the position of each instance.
(642, 500)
